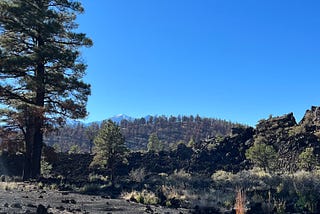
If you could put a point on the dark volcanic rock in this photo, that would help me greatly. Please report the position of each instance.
(274, 123)
(11, 164)
(311, 119)
(226, 153)
(206, 157)
(288, 138)
(16, 205)
(42, 209)
(73, 167)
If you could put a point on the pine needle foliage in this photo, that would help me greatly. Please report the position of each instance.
(109, 147)
(41, 70)
(262, 155)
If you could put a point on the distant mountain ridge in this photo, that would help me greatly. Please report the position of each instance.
(118, 118)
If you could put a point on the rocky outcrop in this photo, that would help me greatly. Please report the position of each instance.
(273, 124)
(222, 153)
(311, 119)
(289, 138)
(11, 164)
(74, 167)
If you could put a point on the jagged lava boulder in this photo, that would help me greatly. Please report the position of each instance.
(289, 138)
(311, 119)
(222, 154)
(275, 125)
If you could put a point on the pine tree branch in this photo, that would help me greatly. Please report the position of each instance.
(6, 95)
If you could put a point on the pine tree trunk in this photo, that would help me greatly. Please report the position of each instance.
(29, 138)
(112, 174)
(36, 153)
(27, 165)
(38, 138)
(39, 116)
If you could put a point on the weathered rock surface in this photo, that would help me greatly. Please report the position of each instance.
(272, 124)
(311, 119)
(289, 138)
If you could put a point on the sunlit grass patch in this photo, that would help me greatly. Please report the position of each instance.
(8, 186)
(144, 197)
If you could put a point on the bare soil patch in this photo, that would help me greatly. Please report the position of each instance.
(28, 198)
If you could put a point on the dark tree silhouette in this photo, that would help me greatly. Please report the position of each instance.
(40, 70)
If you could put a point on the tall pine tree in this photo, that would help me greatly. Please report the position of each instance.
(40, 70)
(109, 147)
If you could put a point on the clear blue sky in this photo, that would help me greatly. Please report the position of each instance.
(239, 60)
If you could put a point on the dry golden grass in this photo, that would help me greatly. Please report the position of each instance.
(8, 185)
(12, 185)
(144, 197)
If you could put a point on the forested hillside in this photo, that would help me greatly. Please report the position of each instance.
(173, 130)
(170, 130)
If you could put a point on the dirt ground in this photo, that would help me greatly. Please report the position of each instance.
(28, 198)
